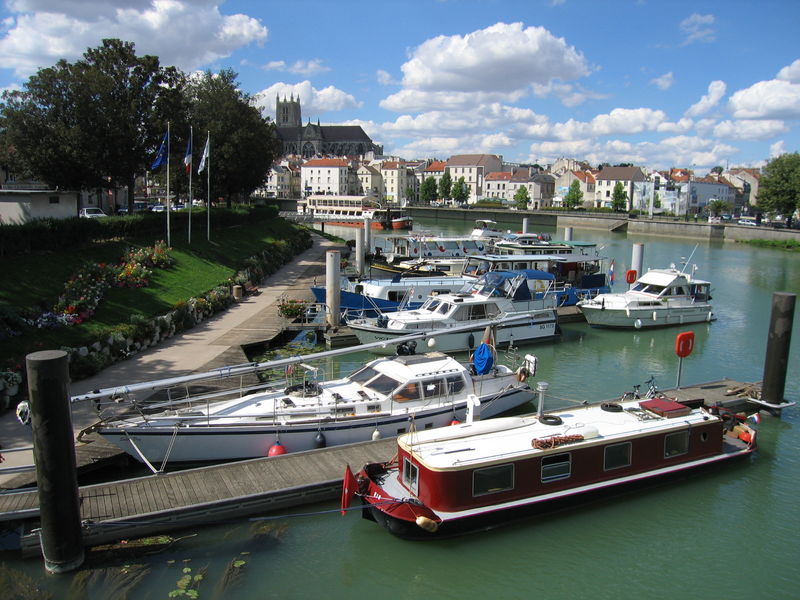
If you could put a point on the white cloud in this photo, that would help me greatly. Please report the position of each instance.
(790, 73)
(716, 90)
(300, 67)
(504, 58)
(186, 34)
(777, 149)
(774, 99)
(312, 100)
(385, 78)
(664, 82)
(697, 28)
(750, 129)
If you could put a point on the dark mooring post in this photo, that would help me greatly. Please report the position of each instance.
(54, 454)
(776, 362)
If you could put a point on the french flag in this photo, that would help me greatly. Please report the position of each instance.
(611, 273)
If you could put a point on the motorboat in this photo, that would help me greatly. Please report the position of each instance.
(483, 473)
(389, 219)
(486, 229)
(659, 298)
(383, 398)
(482, 304)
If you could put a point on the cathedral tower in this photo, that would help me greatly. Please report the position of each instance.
(287, 112)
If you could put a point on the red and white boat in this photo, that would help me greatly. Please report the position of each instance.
(388, 219)
(471, 476)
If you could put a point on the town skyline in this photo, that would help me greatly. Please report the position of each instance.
(696, 86)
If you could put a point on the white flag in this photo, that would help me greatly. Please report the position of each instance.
(205, 156)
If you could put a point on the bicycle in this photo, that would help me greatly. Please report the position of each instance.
(652, 391)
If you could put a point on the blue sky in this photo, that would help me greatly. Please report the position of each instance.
(659, 83)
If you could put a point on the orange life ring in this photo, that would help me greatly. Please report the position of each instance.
(630, 276)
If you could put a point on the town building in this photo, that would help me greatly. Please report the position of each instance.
(473, 168)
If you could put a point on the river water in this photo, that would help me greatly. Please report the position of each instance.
(729, 533)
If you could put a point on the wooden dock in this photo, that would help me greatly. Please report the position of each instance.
(201, 496)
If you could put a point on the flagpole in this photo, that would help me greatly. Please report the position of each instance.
(208, 185)
(189, 165)
(169, 241)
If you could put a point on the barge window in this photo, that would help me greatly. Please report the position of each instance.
(556, 467)
(492, 480)
(617, 456)
(410, 475)
(676, 444)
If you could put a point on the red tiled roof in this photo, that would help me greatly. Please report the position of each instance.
(499, 176)
(437, 165)
(326, 162)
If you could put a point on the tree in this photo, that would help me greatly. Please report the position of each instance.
(717, 206)
(460, 191)
(243, 143)
(94, 123)
(445, 186)
(521, 197)
(779, 189)
(619, 198)
(574, 197)
(718, 170)
(427, 190)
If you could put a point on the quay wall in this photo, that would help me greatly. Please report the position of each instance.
(639, 226)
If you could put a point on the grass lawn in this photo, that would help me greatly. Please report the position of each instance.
(36, 281)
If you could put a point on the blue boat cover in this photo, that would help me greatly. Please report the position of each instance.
(483, 359)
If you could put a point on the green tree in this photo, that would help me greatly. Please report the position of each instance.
(521, 197)
(427, 191)
(779, 188)
(243, 143)
(657, 201)
(716, 207)
(718, 170)
(460, 191)
(619, 198)
(93, 123)
(574, 197)
(445, 186)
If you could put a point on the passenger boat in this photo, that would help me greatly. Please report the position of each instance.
(537, 243)
(659, 298)
(410, 247)
(347, 211)
(480, 305)
(476, 475)
(381, 399)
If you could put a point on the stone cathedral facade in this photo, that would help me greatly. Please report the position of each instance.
(311, 140)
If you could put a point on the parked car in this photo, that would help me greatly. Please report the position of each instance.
(91, 212)
(158, 208)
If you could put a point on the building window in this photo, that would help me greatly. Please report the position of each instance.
(556, 467)
(410, 475)
(617, 456)
(676, 444)
(492, 480)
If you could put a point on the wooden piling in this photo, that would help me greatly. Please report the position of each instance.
(61, 537)
(779, 339)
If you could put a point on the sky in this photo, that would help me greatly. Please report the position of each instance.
(658, 83)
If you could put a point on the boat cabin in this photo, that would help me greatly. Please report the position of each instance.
(664, 284)
(396, 248)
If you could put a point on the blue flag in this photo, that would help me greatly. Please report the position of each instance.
(163, 151)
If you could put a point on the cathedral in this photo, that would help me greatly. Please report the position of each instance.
(318, 140)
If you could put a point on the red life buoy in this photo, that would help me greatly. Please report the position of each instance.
(630, 276)
(684, 343)
(455, 422)
(276, 449)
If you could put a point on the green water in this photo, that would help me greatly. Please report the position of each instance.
(728, 533)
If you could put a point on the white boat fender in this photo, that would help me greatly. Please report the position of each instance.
(708, 317)
(376, 435)
(522, 374)
(655, 316)
(427, 524)
(637, 323)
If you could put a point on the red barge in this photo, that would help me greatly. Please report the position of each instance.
(475, 475)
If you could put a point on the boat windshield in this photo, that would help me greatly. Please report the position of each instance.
(363, 375)
(383, 384)
(430, 304)
(648, 288)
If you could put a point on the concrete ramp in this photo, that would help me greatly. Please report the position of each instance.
(619, 225)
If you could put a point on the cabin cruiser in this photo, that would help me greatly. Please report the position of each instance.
(658, 298)
(486, 229)
(383, 398)
(478, 474)
(484, 303)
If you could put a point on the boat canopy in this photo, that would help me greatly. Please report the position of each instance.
(507, 283)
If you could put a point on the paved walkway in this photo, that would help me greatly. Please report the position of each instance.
(213, 343)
